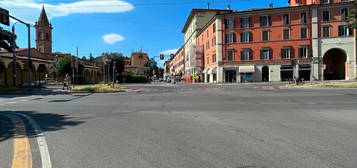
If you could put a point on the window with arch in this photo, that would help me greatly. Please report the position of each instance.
(39, 35)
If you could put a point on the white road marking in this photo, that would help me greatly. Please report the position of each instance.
(41, 141)
(10, 102)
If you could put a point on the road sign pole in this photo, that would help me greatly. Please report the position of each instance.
(14, 58)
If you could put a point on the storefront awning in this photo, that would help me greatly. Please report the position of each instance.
(247, 69)
(230, 67)
(212, 71)
(205, 70)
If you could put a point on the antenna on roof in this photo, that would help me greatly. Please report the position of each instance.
(208, 5)
(229, 7)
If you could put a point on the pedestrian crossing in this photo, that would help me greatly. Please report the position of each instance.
(16, 100)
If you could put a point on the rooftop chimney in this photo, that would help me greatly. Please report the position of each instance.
(208, 5)
(229, 7)
(271, 5)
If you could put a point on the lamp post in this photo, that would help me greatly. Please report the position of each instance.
(28, 46)
(14, 57)
(113, 73)
(106, 70)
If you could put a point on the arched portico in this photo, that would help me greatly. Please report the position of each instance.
(10, 73)
(42, 71)
(334, 61)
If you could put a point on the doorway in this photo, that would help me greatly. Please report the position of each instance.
(265, 74)
(334, 64)
(230, 76)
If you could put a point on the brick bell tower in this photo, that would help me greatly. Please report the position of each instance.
(43, 33)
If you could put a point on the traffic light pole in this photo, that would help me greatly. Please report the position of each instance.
(113, 73)
(28, 47)
(29, 54)
(14, 58)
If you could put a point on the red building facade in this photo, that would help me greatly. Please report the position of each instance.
(279, 44)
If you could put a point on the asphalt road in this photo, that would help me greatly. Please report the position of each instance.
(189, 126)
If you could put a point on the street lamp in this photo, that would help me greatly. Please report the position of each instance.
(14, 57)
(113, 73)
(106, 70)
(28, 46)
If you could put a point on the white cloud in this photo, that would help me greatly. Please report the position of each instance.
(29, 10)
(168, 52)
(112, 38)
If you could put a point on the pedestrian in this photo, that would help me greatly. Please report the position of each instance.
(65, 82)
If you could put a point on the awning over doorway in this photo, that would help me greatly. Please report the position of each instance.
(230, 67)
(212, 71)
(205, 70)
(247, 69)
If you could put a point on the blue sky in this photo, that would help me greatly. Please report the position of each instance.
(129, 25)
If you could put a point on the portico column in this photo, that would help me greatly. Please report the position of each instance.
(220, 75)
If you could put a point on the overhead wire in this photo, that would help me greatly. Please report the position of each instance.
(129, 4)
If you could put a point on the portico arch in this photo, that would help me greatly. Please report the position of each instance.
(87, 76)
(42, 71)
(10, 73)
(334, 61)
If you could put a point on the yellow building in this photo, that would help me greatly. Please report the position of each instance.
(43, 60)
(137, 64)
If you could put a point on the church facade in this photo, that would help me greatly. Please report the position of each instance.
(43, 59)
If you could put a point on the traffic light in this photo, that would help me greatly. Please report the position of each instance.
(7, 40)
(4, 17)
(162, 56)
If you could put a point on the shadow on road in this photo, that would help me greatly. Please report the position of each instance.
(47, 121)
(68, 100)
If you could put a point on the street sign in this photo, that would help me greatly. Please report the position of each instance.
(4, 17)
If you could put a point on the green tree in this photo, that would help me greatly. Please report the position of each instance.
(65, 66)
(119, 62)
(84, 58)
(151, 65)
(91, 58)
(353, 16)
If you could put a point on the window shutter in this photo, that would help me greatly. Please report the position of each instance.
(225, 23)
(300, 52)
(241, 37)
(250, 37)
(250, 22)
(241, 55)
(269, 20)
(261, 21)
(281, 53)
(241, 22)
(350, 32)
(261, 54)
(270, 53)
(292, 52)
(251, 54)
(339, 30)
(234, 37)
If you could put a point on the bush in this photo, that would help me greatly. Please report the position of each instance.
(100, 88)
(9, 89)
